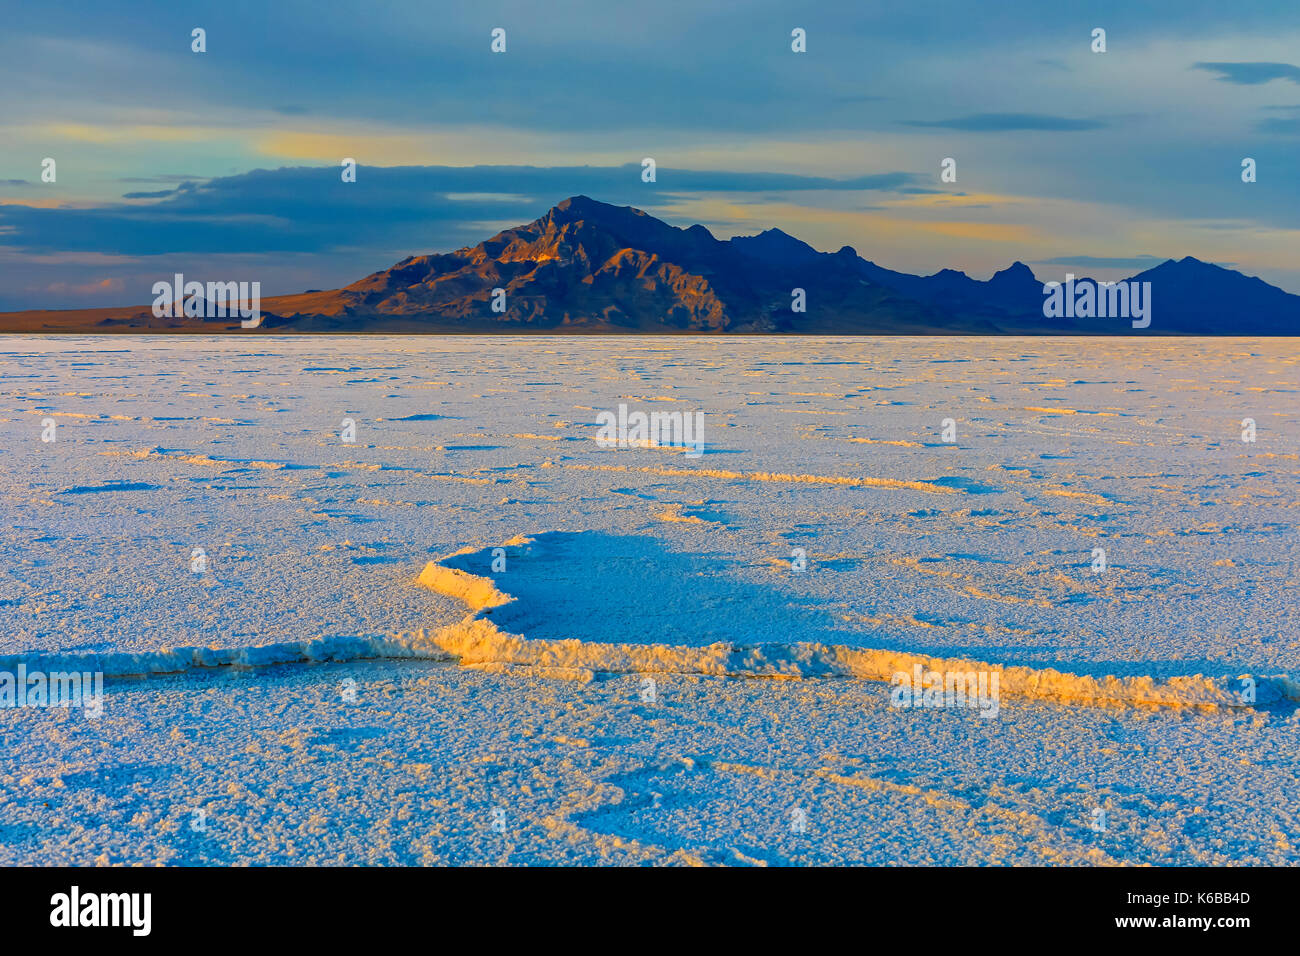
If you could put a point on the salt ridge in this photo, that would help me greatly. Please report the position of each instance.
(476, 641)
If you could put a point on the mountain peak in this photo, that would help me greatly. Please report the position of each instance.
(1187, 266)
(579, 202)
(584, 207)
(1016, 272)
(592, 266)
(774, 245)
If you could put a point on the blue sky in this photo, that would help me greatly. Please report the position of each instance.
(226, 164)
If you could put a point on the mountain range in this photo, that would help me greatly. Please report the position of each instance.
(587, 266)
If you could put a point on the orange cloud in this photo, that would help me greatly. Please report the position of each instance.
(982, 231)
(89, 288)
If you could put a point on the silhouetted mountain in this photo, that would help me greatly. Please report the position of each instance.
(587, 266)
(1209, 300)
(773, 245)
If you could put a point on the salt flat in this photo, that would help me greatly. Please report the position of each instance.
(978, 549)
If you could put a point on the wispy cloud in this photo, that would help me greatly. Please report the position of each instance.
(1251, 74)
(1280, 127)
(1104, 262)
(91, 289)
(388, 209)
(1010, 122)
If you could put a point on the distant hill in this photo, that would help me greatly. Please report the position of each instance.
(587, 266)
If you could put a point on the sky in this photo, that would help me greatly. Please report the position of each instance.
(225, 165)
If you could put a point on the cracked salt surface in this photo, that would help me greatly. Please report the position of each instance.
(975, 551)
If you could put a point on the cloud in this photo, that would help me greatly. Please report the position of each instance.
(1289, 126)
(1104, 262)
(1280, 126)
(162, 193)
(1251, 74)
(1009, 122)
(88, 288)
(984, 231)
(401, 209)
(160, 178)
